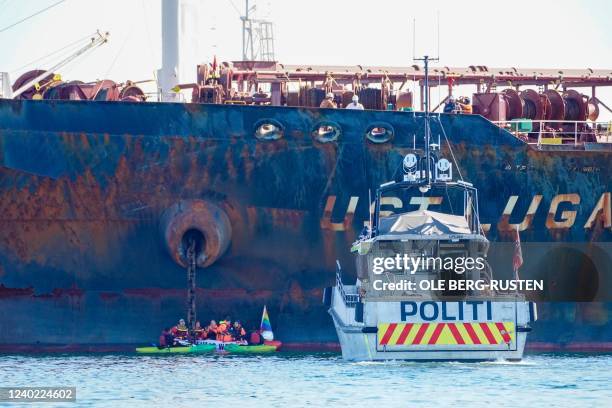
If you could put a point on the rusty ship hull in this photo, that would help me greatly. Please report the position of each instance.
(85, 188)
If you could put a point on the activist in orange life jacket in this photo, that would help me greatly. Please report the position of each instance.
(222, 332)
(180, 331)
(199, 333)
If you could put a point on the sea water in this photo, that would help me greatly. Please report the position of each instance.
(313, 380)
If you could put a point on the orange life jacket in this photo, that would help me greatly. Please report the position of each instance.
(222, 333)
(466, 108)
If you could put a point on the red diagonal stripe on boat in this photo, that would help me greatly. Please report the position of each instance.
(388, 333)
(487, 332)
(470, 330)
(420, 333)
(453, 329)
(405, 332)
(436, 333)
(504, 333)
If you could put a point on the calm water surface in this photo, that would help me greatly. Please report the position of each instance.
(316, 380)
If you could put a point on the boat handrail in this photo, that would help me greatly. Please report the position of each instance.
(558, 132)
(349, 299)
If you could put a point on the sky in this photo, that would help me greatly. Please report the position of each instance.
(521, 33)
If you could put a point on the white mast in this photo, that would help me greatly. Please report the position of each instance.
(180, 46)
(167, 76)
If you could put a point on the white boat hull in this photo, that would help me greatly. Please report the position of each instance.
(358, 346)
(428, 330)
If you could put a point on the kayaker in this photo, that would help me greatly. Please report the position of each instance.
(212, 329)
(198, 332)
(223, 332)
(180, 331)
(165, 338)
(228, 329)
(238, 332)
(255, 338)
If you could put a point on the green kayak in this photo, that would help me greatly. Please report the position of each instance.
(200, 348)
(210, 348)
(262, 348)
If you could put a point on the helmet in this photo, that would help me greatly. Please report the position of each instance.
(467, 100)
(451, 98)
(182, 321)
(330, 95)
(355, 98)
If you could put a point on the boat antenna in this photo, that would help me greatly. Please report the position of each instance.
(426, 60)
(414, 39)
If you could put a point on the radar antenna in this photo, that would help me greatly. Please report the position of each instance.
(253, 31)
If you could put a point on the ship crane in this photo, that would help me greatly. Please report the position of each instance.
(95, 41)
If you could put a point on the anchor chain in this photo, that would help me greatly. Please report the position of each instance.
(191, 283)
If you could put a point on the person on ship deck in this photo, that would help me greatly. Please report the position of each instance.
(328, 102)
(450, 106)
(354, 104)
(461, 105)
(465, 106)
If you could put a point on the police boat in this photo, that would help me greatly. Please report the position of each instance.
(424, 288)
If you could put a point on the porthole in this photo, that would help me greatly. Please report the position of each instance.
(326, 132)
(380, 133)
(268, 129)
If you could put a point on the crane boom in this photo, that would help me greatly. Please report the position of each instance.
(95, 41)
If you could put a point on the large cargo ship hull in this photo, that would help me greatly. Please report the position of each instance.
(85, 186)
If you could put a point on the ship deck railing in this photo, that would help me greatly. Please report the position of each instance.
(561, 133)
(349, 299)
